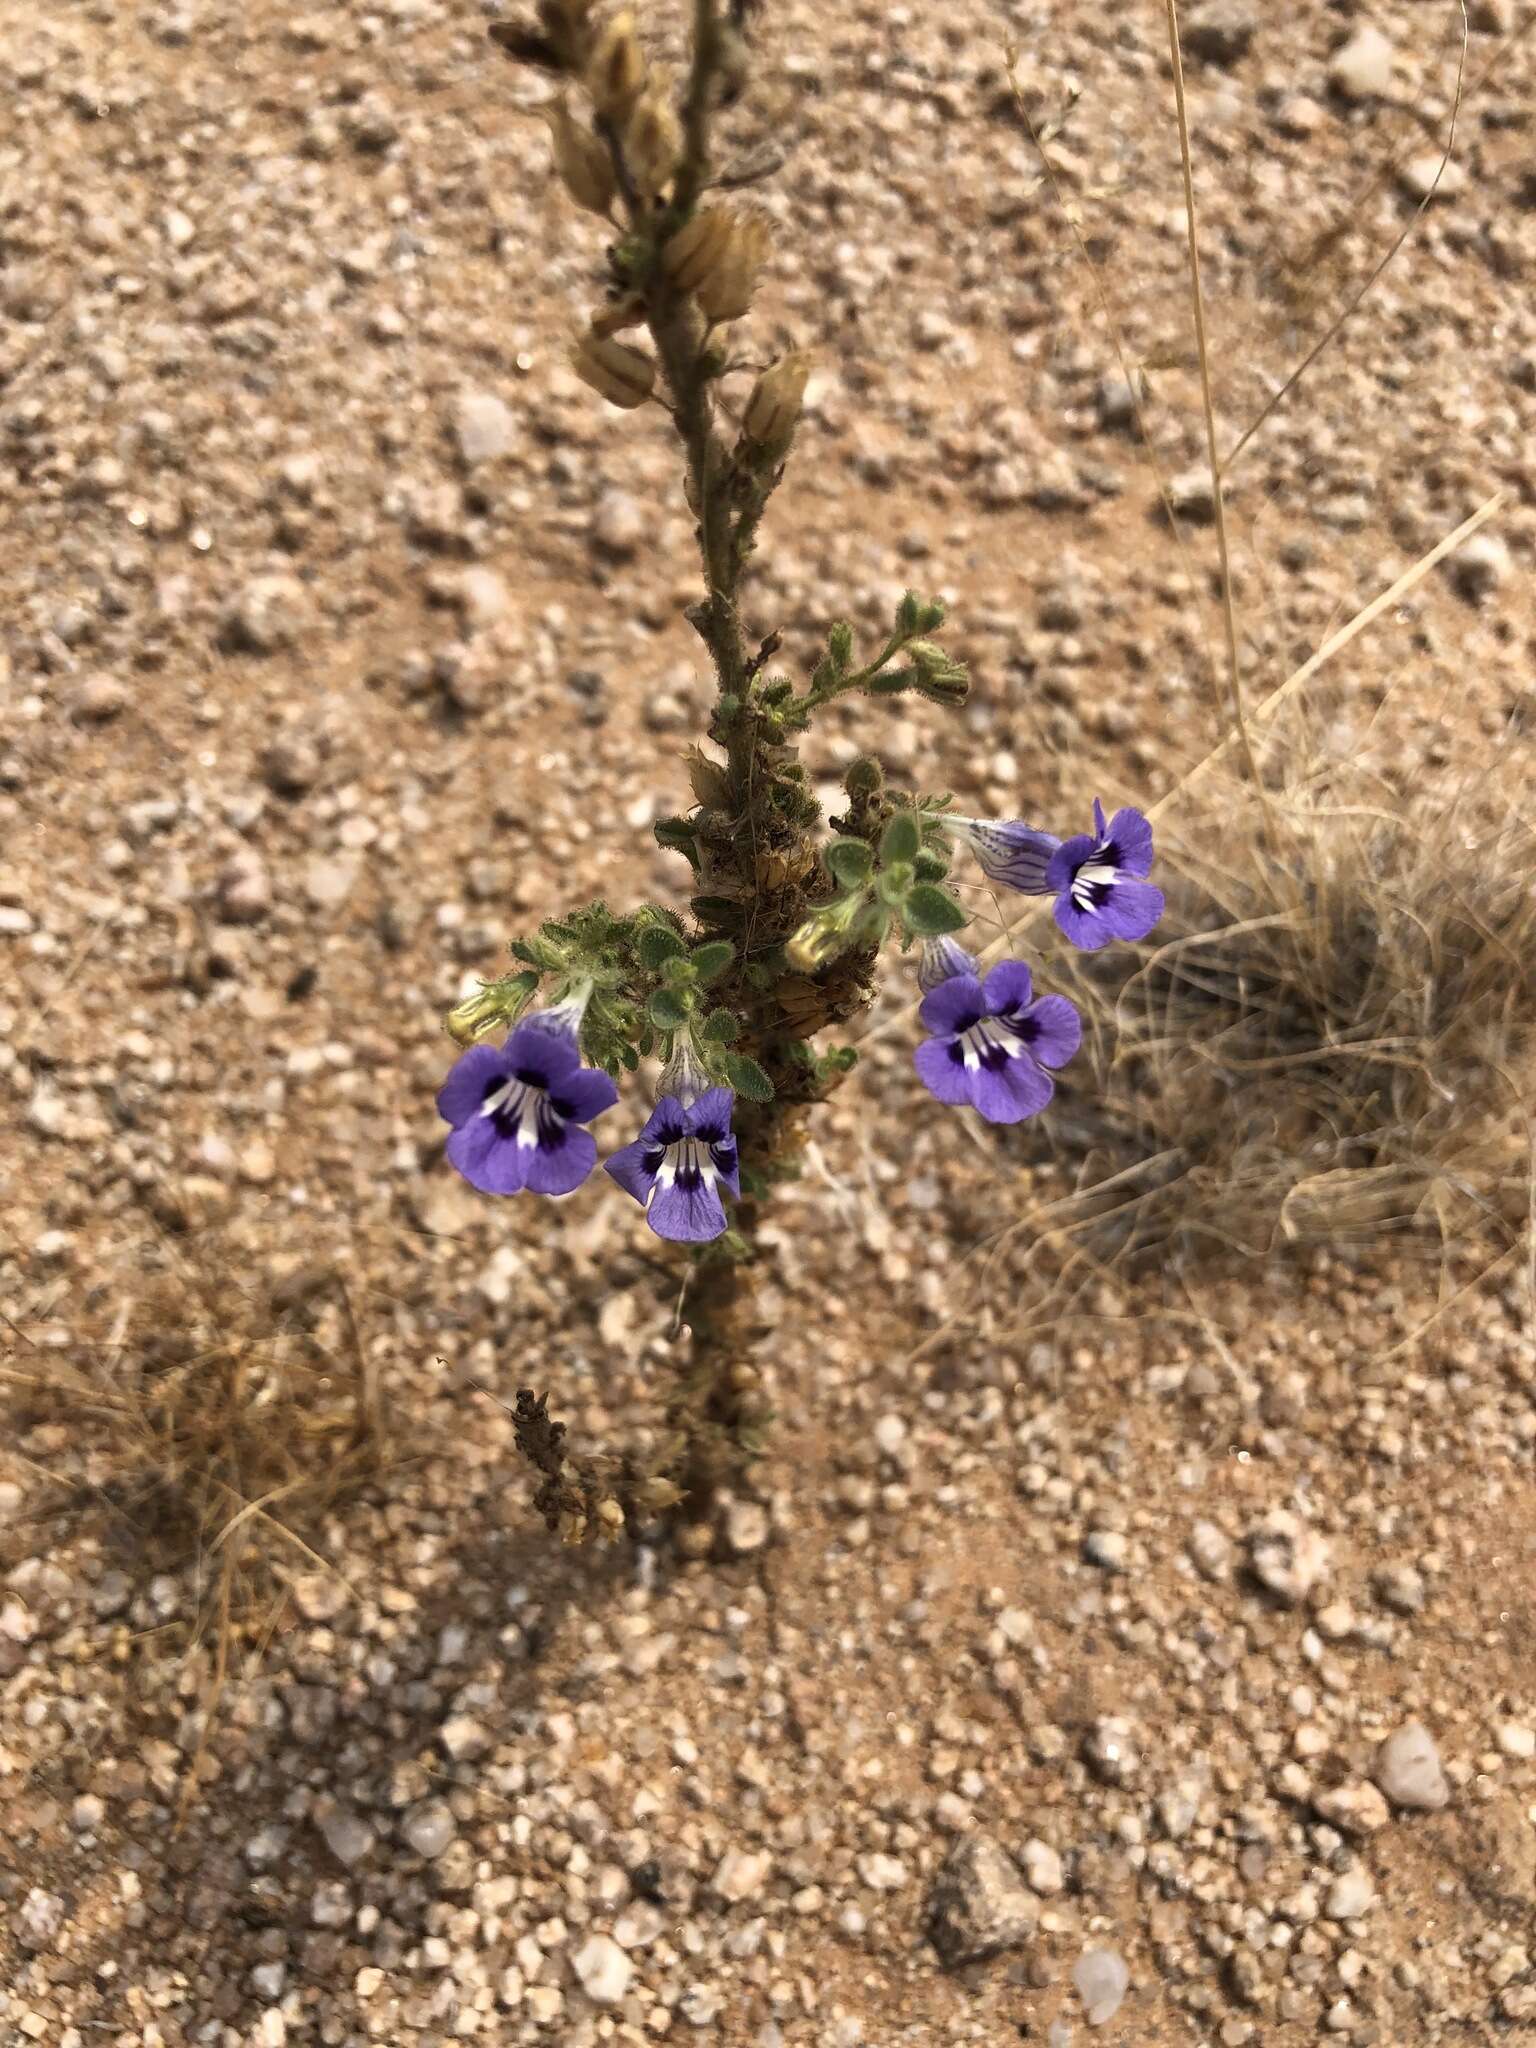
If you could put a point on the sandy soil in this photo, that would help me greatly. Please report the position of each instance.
(341, 640)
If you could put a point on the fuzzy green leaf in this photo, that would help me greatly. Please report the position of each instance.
(720, 1027)
(658, 944)
(666, 1010)
(901, 840)
(710, 960)
(849, 861)
(747, 1077)
(678, 835)
(929, 911)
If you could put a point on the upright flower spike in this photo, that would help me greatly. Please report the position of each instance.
(517, 1110)
(684, 1157)
(1009, 852)
(1098, 881)
(991, 1043)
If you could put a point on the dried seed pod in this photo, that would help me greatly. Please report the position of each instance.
(616, 74)
(653, 144)
(627, 311)
(622, 375)
(726, 292)
(773, 410)
(698, 246)
(584, 165)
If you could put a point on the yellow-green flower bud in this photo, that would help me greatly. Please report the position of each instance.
(494, 1006)
(824, 934)
(623, 375)
(616, 75)
(773, 410)
(584, 165)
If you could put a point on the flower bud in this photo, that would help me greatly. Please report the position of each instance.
(622, 375)
(725, 293)
(935, 676)
(773, 410)
(824, 934)
(653, 144)
(584, 165)
(699, 245)
(616, 75)
(494, 1006)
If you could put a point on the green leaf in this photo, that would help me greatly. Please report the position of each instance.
(720, 1027)
(901, 840)
(658, 944)
(666, 1010)
(908, 612)
(678, 835)
(840, 644)
(715, 909)
(849, 861)
(747, 1077)
(931, 866)
(710, 960)
(929, 911)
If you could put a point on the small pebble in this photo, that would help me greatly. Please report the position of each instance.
(1101, 1979)
(1408, 1770)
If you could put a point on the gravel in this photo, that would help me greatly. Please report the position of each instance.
(1101, 1978)
(979, 1904)
(292, 459)
(1409, 1771)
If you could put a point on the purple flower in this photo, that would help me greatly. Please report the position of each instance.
(1097, 881)
(679, 1163)
(941, 959)
(991, 1044)
(517, 1109)
(1010, 853)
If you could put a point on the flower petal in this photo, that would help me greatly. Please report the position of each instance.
(1066, 860)
(1099, 829)
(1131, 836)
(954, 1005)
(563, 1164)
(1012, 1090)
(634, 1167)
(542, 1053)
(688, 1212)
(470, 1079)
(1052, 1030)
(1010, 853)
(1007, 987)
(493, 1164)
(709, 1117)
(941, 959)
(942, 1070)
(1129, 911)
(583, 1095)
(727, 1165)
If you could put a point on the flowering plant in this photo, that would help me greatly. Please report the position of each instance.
(787, 917)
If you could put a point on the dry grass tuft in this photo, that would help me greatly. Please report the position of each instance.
(1330, 1038)
(213, 1424)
